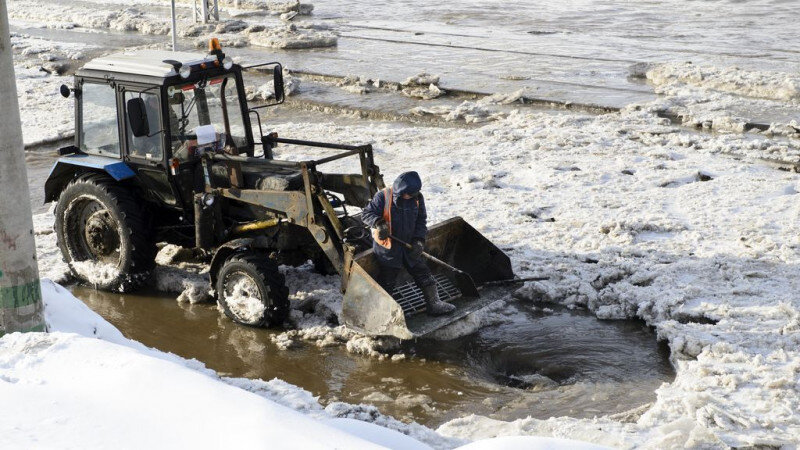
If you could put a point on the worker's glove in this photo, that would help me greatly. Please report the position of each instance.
(381, 230)
(417, 247)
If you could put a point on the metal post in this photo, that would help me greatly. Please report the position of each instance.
(204, 10)
(174, 29)
(20, 293)
(216, 11)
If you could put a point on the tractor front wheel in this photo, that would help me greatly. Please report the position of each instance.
(103, 234)
(251, 290)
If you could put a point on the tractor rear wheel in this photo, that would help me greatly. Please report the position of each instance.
(103, 233)
(252, 291)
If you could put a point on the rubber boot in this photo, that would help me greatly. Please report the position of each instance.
(434, 306)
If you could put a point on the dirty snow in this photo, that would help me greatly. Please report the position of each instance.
(726, 99)
(293, 36)
(244, 303)
(66, 15)
(423, 85)
(180, 271)
(96, 272)
(266, 91)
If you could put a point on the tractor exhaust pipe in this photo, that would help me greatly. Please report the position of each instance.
(203, 222)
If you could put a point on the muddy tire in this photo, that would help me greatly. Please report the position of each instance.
(103, 234)
(322, 265)
(251, 290)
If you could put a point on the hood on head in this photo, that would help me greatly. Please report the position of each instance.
(407, 183)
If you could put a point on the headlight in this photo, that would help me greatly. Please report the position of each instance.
(208, 199)
(185, 71)
(227, 63)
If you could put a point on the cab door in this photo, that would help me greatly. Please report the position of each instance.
(146, 154)
(98, 118)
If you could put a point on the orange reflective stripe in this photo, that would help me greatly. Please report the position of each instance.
(387, 208)
(387, 217)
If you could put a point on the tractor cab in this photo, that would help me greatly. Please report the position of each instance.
(158, 112)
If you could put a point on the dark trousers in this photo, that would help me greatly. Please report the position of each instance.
(420, 273)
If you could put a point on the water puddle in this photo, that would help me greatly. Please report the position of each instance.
(539, 363)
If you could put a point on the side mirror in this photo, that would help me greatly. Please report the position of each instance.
(64, 91)
(277, 76)
(137, 117)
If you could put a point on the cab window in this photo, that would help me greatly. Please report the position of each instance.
(148, 147)
(98, 129)
(213, 102)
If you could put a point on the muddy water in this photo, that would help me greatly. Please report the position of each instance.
(542, 363)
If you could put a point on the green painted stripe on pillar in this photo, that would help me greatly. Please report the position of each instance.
(35, 329)
(23, 295)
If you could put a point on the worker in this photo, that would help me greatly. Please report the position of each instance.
(400, 211)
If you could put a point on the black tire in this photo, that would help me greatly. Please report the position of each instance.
(100, 221)
(322, 265)
(260, 281)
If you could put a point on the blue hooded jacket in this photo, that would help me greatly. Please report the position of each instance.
(409, 220)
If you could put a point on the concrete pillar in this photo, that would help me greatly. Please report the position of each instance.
(20, 293)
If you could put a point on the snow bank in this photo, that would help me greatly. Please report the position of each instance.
(726, 99)
(64, 313)
(291, 86)
(272, 7)
(98, 394)
(293, 36)
(67, 16)
(749, 83)
(94, 389)
(468, 111)
(423, 85)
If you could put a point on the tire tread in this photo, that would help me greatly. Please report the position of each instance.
(271, 277)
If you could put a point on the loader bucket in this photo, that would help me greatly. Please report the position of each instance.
(371, 310)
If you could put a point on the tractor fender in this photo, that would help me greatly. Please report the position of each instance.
(231, 247)
(66, 167)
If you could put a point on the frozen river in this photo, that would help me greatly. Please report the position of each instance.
(584, 52)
